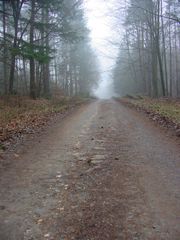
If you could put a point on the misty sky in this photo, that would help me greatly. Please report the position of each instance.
(101, 23)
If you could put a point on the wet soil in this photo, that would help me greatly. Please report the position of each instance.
(103, 172)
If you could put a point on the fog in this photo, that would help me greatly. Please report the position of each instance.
(105, 90)
(98, 13)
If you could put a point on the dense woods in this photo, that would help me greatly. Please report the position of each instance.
(149, 54)
(45, 49)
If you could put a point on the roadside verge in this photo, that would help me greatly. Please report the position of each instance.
(22, 116)
(164, 111)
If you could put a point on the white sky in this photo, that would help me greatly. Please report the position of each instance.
(100, 23)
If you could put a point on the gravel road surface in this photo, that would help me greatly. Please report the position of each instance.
(104, 172)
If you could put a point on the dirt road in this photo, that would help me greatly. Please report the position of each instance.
(105, 172)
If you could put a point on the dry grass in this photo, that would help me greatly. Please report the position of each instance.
(168, 108)
(163, 110)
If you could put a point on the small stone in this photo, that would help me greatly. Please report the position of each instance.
(47, 235)
(98, 157)
(59, 176)
(99, 148)
(40, 221)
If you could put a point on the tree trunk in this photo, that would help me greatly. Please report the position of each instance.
(170, 57)
(176, 58)
(13, 60)
(25, 76)
(16, 8)
(76, 80)
(5, 50)
(32, 64)
(46, 84)
(164, 51)
(159, 51)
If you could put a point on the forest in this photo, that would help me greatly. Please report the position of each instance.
(89, 119)
(45, 49)
(148, 62)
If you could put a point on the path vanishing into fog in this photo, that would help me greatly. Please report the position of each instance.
(104, 172)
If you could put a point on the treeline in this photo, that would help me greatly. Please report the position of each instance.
(149, 54)
(44, 48)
